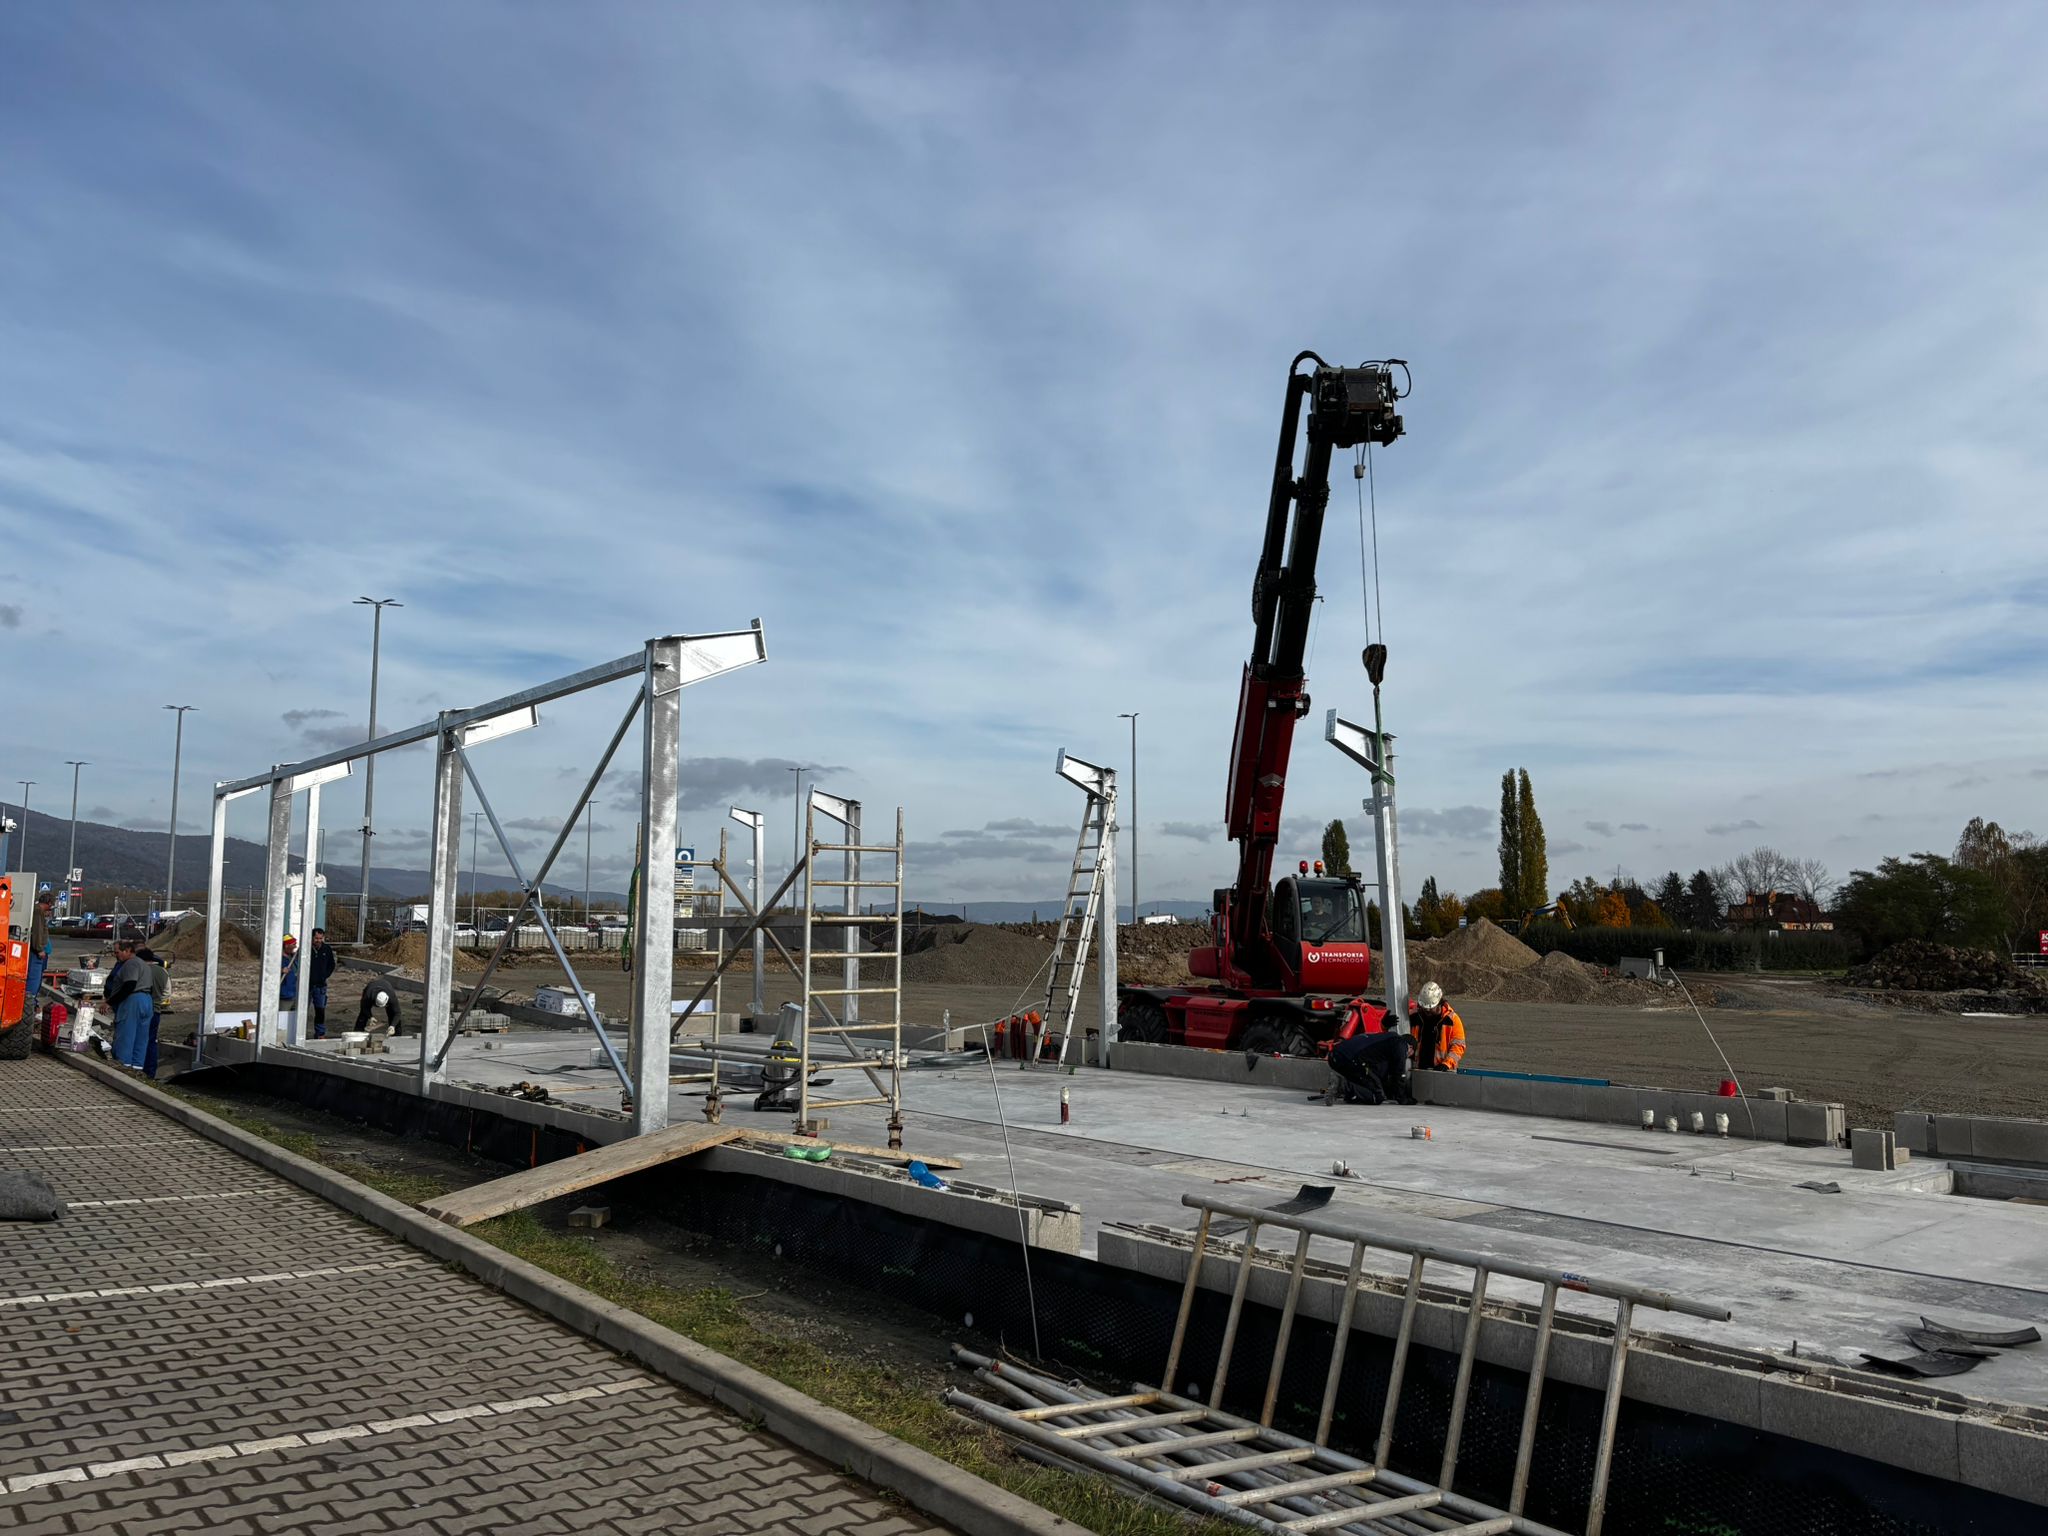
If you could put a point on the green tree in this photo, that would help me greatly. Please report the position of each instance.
(1511, 846)
(1336, 849)
(1535, 855)
(1702, 904)
(1373, 936)
(2017, 866)
(1924, 897)
(1437, 913)
(1670, 898)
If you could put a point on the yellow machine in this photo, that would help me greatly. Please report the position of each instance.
(1556, 912)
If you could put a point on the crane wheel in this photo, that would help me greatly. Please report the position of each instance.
(1275, 1037)
(1143, 1021)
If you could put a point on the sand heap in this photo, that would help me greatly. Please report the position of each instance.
(409, 953)
(976, 955)
(1481, 943)
(186, 940)
(1482, 961)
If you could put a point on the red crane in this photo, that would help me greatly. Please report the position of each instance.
(1287, 961)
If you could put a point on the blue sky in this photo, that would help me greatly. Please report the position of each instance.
(950, 343)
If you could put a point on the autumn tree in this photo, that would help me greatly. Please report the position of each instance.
(1489, 904)
(1611, 911)
(1535, 855)
(1336, 849)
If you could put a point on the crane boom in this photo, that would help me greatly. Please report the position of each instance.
(1346, 407)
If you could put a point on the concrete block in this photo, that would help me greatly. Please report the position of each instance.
(1913, 1438)
(591, 1216)
(1511, 1096)
(1721, 1392)
(1810, 1125)
(1953, 1136)
(1872, 1151)
(2004, 1460)
(1770, 1118)
(1617, 1105)
(1914, 1130)
(2009, 1141)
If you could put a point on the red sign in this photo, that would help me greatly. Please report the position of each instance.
(2044, 941)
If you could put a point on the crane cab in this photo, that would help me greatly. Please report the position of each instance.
(1317, 924)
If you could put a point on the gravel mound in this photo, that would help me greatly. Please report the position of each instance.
(1481, 943)
(409, 951)
(976, 955)
(186, 940)
(1914, 965)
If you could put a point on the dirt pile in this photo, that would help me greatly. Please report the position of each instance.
(409, 952)
(1481, 943)
(186, 940)
(977, 955)
(1914, 965)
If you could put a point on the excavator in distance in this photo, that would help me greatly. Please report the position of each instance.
(1288, 962)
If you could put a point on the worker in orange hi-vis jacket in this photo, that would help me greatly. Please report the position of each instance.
(1439, 1032)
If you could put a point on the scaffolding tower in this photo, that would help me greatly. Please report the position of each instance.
(873, 1045)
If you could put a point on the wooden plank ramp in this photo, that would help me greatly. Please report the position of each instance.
(549, 1181)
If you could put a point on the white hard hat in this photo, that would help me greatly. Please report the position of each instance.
(382, 999)
(1431, 995)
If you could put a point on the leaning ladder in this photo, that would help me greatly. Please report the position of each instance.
(1078, 917)
(837, 1010)
(1246, 1473)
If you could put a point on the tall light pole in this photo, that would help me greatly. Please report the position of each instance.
(21, 843)
(476, 820)
(177, 762)
(796, 835)
(586, 862)
(1132, 716)
(71, 857)
(376, 605)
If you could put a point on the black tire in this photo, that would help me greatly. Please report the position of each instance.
(1143, 1020)
(1275, 1037)
(14, 1043)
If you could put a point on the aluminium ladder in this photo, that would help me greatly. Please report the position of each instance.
(837, 1010)
(1088, 884)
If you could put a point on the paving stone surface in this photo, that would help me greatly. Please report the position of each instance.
(201, 1346)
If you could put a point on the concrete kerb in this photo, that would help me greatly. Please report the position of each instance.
(928, 1483)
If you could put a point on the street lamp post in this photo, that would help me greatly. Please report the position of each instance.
(21, 843)
(177, 760)
(476, 821)
(376, 605)
(71, 856)
(1132, 716)
(586, 862)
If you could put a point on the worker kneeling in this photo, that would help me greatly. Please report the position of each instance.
(377, 997)
(1374, 1063)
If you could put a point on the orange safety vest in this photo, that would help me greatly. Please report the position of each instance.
(1450, 1038)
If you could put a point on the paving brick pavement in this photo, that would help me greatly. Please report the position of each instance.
(260, 1362)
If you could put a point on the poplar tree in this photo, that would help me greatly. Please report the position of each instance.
(1511, 848)
(1336, 849)
(1533, 855)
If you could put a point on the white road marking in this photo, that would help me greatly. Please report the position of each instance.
(218, 1194)
(221, 1283)
(22, 1482)
(98, 1146)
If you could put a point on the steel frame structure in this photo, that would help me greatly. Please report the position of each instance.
(663, 666)
(1373, 750)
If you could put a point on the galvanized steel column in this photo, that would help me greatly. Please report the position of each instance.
(445, 866)
(308, 903)
(1105, 923)
(655, 921)
(209, 991)
(276, 880)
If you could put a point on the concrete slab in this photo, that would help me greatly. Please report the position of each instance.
(1723, 1220)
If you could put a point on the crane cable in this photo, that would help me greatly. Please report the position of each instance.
(1369, 599)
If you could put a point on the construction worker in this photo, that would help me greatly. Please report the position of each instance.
(321, 966)
(375, 996)
(288, 979)
(127, 994)
(38, 948)
(1371, 1060)
(159, 973)
(1439, 1032)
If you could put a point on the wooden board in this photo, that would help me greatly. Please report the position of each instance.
(515, 1192)
(770, 1139)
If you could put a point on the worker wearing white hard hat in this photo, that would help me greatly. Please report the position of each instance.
(1439, 1032)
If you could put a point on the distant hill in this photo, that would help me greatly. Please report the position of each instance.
(124, 856)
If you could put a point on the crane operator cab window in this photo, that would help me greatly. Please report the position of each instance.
(1314, 912)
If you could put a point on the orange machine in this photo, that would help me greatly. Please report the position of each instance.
(14, 964)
